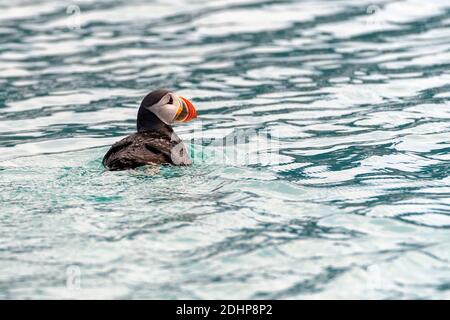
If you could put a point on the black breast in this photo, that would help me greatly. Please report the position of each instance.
(143, 148)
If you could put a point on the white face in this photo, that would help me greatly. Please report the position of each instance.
(166, 111)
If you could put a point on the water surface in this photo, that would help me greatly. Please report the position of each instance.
(355, 96)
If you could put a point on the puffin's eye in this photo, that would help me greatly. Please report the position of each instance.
(171, 100)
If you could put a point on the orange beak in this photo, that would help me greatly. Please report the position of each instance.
(188, 111)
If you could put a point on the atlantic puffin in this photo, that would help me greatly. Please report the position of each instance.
(155, 142)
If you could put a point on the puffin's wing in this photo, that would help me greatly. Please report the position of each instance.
(130, 153)
(145, 148)
(116, 151)
(172, 149)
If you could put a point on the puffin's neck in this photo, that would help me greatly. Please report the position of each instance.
(148, 121)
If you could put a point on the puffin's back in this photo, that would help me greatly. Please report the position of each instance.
(144, 148)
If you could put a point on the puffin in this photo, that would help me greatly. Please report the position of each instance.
(155, 142)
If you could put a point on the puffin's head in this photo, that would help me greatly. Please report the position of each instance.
(167, 106)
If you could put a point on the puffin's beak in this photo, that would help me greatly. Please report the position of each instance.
(186, 112)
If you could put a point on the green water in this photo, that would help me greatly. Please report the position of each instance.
(341, 190)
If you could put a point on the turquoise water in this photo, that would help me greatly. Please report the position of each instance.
(355, 203)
